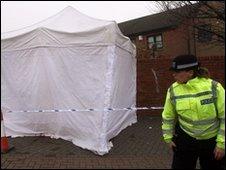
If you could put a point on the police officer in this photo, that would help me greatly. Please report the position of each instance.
(193, 119)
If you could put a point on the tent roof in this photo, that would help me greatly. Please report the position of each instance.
(68, 20)
(67, 27)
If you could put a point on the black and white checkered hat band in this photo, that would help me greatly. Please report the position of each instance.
(187, 65)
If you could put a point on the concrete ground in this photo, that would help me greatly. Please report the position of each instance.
(139, 146)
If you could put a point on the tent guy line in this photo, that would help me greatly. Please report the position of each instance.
(88, 110)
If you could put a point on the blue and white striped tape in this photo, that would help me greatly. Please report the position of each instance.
(88, 110)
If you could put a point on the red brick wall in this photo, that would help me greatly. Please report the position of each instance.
(175, 42)
(151, 92)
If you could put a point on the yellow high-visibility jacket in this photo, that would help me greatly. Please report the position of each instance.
(199, 107)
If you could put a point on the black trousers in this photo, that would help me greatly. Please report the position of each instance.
(188, 150)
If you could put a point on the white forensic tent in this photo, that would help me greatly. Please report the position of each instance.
(68, 61)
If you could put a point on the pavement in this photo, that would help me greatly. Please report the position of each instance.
(139, 146)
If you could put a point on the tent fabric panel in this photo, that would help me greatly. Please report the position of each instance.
(123, 92)
(78, 127)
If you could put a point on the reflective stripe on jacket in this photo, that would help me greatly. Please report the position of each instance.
(199, 106)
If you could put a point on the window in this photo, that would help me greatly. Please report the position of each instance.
(204, 33)
(155, 41)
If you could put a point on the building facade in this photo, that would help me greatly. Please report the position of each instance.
(159, 38)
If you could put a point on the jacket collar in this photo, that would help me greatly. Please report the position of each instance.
(190, 82)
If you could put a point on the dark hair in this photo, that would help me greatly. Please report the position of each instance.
(202, 72)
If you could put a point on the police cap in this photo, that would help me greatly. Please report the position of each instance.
(184, 62)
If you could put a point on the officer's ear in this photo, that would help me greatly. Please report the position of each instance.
(191, 73)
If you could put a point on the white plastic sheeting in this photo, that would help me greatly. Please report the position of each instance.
(69, 61)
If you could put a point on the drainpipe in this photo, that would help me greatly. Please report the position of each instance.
(194, 39)
(188, 42)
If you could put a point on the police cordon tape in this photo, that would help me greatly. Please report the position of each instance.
(88, 110)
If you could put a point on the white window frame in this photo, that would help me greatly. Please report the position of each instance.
(159, 44)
